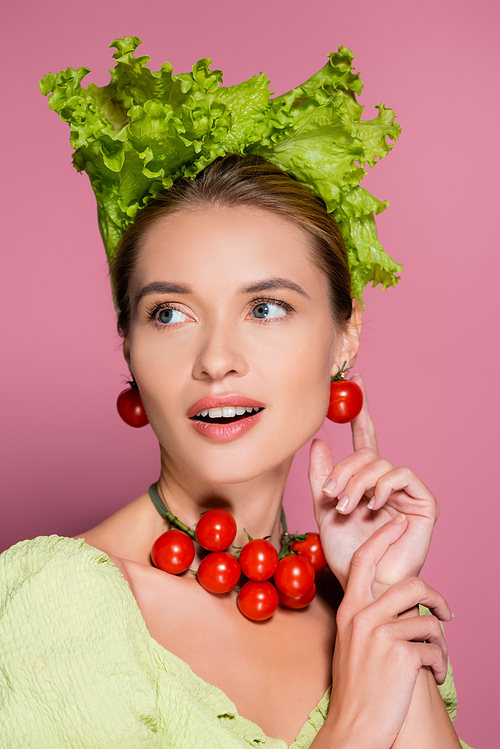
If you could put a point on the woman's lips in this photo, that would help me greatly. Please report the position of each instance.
(220, 401)
(223, 432)
(214, 429)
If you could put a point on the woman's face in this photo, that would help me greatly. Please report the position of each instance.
(230, 312)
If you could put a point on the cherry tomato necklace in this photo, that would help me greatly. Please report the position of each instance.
(293, 569)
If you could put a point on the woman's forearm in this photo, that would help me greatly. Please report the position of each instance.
(427, 723)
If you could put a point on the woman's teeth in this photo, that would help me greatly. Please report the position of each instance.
(226, 412)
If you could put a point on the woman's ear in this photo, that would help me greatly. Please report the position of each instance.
(349, 340)
(126, 350)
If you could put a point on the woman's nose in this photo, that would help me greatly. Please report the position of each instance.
(220, 354)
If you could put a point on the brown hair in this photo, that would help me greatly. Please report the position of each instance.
(232, 181)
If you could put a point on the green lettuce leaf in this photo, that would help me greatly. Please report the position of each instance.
(368, 262)
(144, 129)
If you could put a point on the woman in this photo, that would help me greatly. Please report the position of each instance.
(234, 292)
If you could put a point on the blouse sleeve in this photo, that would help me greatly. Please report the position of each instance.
(448, 691)
(75, 671)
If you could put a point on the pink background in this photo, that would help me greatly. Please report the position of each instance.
(430, 347)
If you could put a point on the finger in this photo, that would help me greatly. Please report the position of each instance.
(408, 593)
(431, 655)
(420, 628)
(345, 469)
(364, 563)
(402, 479)
(363, 428)
(361, 482)
(320, 467)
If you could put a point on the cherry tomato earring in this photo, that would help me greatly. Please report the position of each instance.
(130, 408)
(346, 398)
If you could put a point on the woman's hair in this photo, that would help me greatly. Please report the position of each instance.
(233, 181)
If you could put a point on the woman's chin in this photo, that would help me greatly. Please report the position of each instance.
(204, 465)
(225, 470)
(226, 454)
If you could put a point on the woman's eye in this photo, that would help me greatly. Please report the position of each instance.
(268, 310)
(169, 315)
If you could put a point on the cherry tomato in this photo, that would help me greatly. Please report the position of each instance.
(173, 552)
(346, 401)
(301, 601)
(294, 576)
(258, 600)
(130, 408)
(259, 559)
(216, 530)
(312, 550)
(219, 572)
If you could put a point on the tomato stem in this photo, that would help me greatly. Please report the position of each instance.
(173, 520)
(165, 513)
(341, 374)
(283, 521)
(288, 538)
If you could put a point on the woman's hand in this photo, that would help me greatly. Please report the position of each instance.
(378, 656)
(360, 494)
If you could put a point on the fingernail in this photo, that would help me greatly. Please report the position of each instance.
(399, 518)
(342, 503)
(452, 615)
(371, 503)
(329, 485)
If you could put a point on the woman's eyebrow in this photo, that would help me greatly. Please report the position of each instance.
(161, 287)
(269, 284)
(273, 283)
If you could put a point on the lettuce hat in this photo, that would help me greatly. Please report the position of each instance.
(146, 128)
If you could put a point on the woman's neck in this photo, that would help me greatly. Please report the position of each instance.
(255, 504)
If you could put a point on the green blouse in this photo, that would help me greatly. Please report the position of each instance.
(79, 669)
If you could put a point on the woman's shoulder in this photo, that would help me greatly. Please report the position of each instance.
(34, 553)
(75, 651)
(55, 561)
(61, 587)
